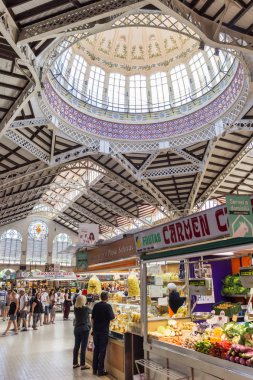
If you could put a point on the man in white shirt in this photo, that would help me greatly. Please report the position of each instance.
(23, 309)
(45, 304)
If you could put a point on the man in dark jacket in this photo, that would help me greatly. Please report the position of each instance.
(102, 315)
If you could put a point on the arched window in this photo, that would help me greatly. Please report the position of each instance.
(60, 243)
(10, 247)
(37, 243)
(215, 63)
(116, 92)
(77, 75)
(159, 91)
(96, 85)
(200, 73)
(138, 101)
(180, 85)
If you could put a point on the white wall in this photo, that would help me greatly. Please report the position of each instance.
(53, 229)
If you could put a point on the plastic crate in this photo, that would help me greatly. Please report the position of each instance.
(234, 309)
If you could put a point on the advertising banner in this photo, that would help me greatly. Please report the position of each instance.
(202, 226)
(88, 234)
(240, 218)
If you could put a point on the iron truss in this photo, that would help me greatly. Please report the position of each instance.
(86, 17)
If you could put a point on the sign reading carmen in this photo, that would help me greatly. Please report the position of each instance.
(209, 224)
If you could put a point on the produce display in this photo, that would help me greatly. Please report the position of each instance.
(232, 286)
(229, 308)
(94, 285)
(133, 286)
(182, 312)
(233, 341)
(241, 354)
(169, 277)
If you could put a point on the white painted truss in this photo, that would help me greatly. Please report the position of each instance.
(225, 173)
(149, 161)
(37, 121)
(168, 208)
(171, 171)
(28, 145)
(79, 19)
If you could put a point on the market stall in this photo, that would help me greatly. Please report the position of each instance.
(207, 337)
(56, 279)
(115, 267)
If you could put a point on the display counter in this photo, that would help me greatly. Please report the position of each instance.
(122, 351)
(196, 365)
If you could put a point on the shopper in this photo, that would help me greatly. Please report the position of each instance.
(36, 310)
(175, 301)
(31, 296)
(23, 309)
(75, 296)
(45, 304)
(66, 305)
(13, 313)
(81, 331)
(3, 295)
(52, 305)
(102, 315)
(7, 305)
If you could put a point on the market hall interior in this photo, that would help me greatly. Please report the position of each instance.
(126, 155)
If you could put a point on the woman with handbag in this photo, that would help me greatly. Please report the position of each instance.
(66, 304)
(81, 331)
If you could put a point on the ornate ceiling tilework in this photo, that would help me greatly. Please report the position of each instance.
(162, 130)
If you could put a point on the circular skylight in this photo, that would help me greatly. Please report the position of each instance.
(141, 70)
(146, 82)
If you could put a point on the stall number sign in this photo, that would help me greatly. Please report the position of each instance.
(198, 287)
(246, 277)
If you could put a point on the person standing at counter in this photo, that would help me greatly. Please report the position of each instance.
(81, 331)
(102, 315)
(175, 301)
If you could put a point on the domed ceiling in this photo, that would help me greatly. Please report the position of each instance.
(131, 49)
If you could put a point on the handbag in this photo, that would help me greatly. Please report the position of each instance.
(90, 345)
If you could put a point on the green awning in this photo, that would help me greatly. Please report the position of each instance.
(208, 246)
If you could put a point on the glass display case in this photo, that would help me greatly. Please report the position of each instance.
(128, 317)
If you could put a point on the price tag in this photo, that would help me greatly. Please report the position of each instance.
(234, 318)
(199, 287)
(163, 301)
(246, 277)
(155, 291)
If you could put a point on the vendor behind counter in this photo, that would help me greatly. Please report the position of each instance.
(175, 301)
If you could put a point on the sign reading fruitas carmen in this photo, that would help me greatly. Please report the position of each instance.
(118, 250)
(205, 225)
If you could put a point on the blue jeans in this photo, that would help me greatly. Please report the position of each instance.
(81, 339)
(100, 341)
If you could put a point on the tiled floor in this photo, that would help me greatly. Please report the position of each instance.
(45, 354)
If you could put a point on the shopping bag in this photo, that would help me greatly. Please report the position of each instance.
(90, 345)
(141, 376)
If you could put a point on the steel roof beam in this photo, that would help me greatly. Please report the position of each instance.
(82, 18)
(171, 171)
(37, 122)
(28, 145)
(167, 206)
(221, 178)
